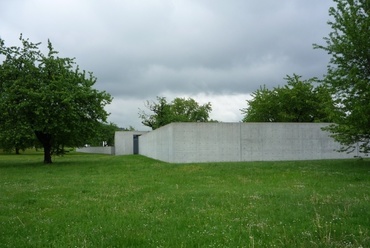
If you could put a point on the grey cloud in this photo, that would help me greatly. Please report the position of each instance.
(141, 49)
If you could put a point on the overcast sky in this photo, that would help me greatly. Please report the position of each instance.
(216, 51)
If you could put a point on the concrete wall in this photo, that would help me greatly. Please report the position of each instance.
(288, 141)
(217, 142)
(206, 142)
(97, 149)
(158, 144)
(124, 142)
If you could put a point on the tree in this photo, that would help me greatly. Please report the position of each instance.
(130, 128)
(49, 96)
(348, 75)
(105, 132)
(17, 139)
(298, 101)
(263, 107)
(179, 110)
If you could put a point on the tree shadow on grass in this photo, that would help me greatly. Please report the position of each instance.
(35, 159)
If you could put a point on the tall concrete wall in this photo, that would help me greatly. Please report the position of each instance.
(124, 142)
(158, 144)
(205, 142)
(288, 141)
(217, 142)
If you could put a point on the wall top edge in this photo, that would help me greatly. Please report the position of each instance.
(133, 132)
(173, 124)
(248, 123)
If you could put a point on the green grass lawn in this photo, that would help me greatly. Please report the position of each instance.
(87, 200)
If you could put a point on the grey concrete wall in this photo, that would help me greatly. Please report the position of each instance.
(288, 141)
(158, 144)
(205, 142)
(97, 149)
(124, 142)
(217, 142)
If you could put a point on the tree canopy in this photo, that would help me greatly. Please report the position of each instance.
(48, 96)
(105, 133)
(179, 110)
(298, 101)
(348, 75)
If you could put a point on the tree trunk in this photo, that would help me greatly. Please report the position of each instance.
(45, 140)
(47, 154)
(17, 150)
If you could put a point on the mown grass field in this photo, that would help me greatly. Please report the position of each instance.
(131, 201)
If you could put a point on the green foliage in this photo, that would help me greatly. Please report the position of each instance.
(48, 96)
(132, 201)
(298, 101)
(16, 139)
(130, 128)
(105, 132)
(179, 110)
(348, 75)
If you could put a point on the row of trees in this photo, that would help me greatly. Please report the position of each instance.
(298, 101)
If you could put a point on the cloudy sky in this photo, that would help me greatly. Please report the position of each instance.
(216, 51)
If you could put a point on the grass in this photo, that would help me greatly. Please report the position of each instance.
(87, 200)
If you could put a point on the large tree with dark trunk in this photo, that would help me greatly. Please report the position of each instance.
(49, 96)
